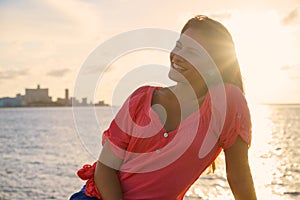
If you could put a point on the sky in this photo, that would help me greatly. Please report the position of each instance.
(46, 41)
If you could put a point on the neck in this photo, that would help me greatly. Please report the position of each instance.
(190, 92)
(190, 98)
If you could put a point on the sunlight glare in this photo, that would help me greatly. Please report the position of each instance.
(259, 39)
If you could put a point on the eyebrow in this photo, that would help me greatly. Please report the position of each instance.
(189, 48)
(198, 48)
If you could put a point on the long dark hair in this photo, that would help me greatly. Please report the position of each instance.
(220, 47)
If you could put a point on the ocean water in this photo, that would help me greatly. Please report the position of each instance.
(42, 148)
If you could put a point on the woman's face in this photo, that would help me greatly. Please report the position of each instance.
(189, 59)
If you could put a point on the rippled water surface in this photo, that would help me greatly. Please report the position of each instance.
(41, 149)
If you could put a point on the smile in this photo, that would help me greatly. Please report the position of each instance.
(179, 68)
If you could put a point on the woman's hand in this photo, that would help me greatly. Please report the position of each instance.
(238, 171)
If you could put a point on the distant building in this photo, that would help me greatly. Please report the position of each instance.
(74, 101)
(64, 101)
(37, 95)
(61, 101)
(101, 103)
(84, 101)
(66, 94)
(10, 102)
(67, 99)
(40, 97)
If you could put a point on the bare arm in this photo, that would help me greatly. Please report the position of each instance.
(106, 177)
(107, 182)
(238, 171)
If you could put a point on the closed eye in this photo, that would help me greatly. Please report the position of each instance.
(193, 50)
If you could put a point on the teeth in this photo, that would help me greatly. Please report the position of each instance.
(178, 67)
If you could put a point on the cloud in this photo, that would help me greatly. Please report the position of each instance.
(295, 77)
(295, 67)
(58, 72)
(82, 14)
(224, 15)
(56, 21)
(12, 73)
(293, 71)
(292, 18)
(287, 67)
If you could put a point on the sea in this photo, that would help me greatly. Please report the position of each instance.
(41, 149)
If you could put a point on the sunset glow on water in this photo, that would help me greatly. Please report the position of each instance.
(41, 153)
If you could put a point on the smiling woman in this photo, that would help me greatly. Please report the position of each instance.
(165, 137)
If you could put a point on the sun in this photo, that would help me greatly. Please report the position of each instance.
(263, 46)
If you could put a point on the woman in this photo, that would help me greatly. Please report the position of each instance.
(162, 139)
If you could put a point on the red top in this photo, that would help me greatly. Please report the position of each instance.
(163, 165)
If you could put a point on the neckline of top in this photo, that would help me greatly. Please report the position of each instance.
(183, 122)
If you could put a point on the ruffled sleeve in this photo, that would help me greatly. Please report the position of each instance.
(118, 134)
(87, 173)
(238, 120)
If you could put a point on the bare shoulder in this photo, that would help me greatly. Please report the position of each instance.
(162, 95)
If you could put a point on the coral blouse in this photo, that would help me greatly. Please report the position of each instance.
(163, 165)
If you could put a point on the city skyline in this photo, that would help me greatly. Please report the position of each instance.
(40, 97)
